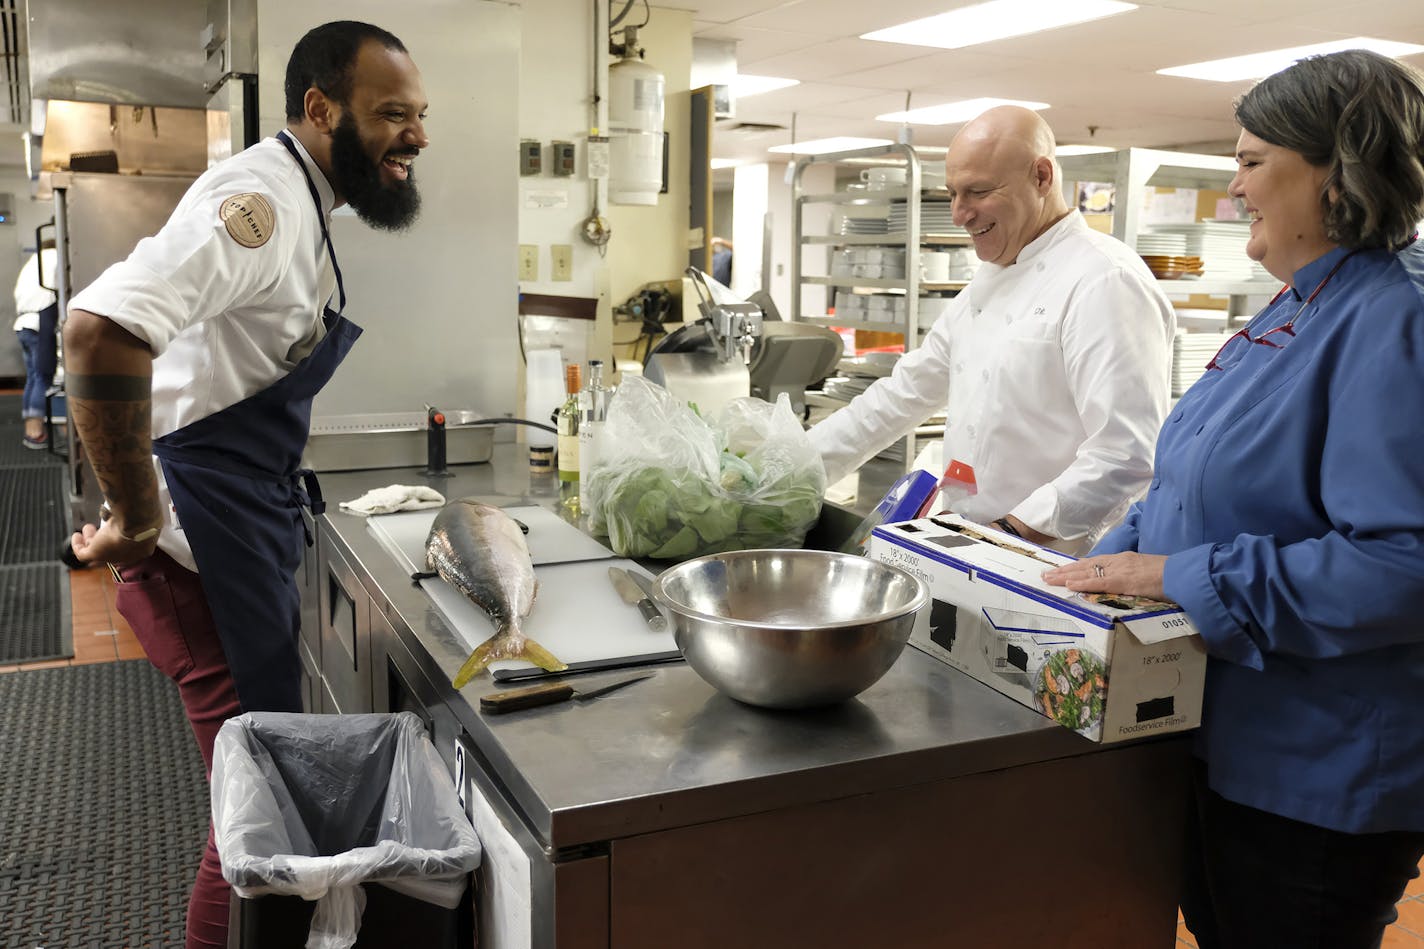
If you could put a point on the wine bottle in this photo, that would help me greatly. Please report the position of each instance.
(568, 425)
(593, 404)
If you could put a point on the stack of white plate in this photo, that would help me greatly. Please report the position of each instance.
(1162, 244)
(1190, 354)
(863, 225)
(935, 218)
(846, 387)
(1221, 245)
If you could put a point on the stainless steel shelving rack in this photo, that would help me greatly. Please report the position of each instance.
(911, 239)
(1132, 171)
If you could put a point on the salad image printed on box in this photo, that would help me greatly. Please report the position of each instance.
(1070, 688)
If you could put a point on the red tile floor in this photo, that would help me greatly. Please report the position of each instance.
(102, 635)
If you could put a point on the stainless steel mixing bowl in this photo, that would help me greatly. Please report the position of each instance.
(790, 628)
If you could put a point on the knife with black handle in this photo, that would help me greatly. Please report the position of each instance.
(635, 595)
(546, 693)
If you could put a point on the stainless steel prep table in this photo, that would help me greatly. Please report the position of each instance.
(930, 811)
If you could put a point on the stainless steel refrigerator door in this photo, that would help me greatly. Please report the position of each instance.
(107, 215)
(99, 220)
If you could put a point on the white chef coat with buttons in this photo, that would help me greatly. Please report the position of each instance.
(224, 320)
(1054, 375)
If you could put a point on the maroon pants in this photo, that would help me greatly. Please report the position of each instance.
(164, 603)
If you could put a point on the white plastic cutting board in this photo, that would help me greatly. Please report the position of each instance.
(551, 539)
(577, 614)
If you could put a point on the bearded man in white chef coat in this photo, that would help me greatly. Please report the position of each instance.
(192, 369)
(1052, 366)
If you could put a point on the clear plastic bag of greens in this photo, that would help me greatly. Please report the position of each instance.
(670, 485)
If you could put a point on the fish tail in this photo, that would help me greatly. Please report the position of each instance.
(476, 663)
(541, 657)
(507, 643)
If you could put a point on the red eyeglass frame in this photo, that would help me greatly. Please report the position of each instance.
(1288, 327)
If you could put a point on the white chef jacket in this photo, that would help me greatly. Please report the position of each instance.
(224, 320)
(1054, 374)
(30, 297)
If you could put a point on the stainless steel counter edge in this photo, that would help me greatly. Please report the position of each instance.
(671, 751)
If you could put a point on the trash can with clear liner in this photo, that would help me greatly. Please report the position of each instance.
(355, 813)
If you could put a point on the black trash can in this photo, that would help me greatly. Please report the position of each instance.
(342, 828)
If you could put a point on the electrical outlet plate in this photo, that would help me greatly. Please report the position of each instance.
(561, 261)
(528, 261)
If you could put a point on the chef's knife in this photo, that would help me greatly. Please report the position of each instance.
(546, 693)
(646, 586)
(634, 595)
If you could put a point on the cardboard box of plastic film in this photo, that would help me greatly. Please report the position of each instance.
(1108, 668)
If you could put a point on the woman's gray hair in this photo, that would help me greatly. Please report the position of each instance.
(1359, 115)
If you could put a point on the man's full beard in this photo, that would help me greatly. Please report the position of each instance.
(358, 180)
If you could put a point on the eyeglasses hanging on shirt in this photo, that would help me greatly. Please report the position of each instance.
(1285, 331)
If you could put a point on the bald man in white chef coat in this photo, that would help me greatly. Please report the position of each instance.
(1052, 366)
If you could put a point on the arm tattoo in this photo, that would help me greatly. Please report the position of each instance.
(110, 388)
(112, 415)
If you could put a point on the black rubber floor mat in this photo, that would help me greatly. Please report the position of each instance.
(103, 808)
(34, 508)
(13, 453)
(35, 619)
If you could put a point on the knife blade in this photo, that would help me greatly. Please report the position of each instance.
(634, 594)
(646, 586)
(547, 693)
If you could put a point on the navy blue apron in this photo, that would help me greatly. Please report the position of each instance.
(237, 485)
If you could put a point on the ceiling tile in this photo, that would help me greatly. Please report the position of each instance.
(1099, 74)
(831, 59)
(757, 45)
(728, 11)
(850, 17)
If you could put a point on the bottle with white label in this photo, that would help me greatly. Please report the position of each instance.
(568, 425)
(593, 410)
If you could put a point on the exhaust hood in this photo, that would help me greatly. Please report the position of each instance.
(135, 81)
(141, 52)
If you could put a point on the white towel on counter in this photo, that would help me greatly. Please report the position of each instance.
(394, 497)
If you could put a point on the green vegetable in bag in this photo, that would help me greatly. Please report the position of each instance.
(670, 485)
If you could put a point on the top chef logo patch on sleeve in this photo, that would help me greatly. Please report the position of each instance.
(248, 218)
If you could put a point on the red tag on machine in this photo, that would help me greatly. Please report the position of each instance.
(956, 484)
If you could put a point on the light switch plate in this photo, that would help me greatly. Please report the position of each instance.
(561, 261)
(528, 261)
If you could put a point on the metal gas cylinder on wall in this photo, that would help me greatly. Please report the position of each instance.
(635, 124)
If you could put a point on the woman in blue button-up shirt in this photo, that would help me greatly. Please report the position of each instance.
(1287, 516)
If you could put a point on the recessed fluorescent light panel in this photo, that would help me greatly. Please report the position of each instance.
(952, 113)
(996, 20)
(1065, 150)
(825, 146)
(743, 86)
(1259, 65)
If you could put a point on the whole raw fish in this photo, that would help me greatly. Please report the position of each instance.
(480, 551)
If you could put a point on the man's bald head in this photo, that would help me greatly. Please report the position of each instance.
(1002, 174)
(1010, 127)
